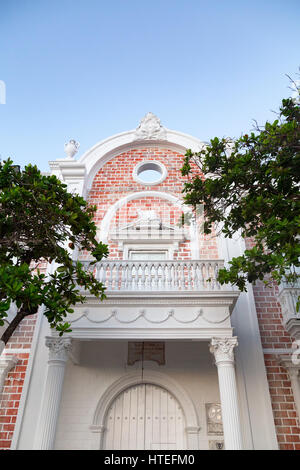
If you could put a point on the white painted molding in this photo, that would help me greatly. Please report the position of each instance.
(107, 149)
(145, 163)
(150, 377)
(293, 370)
(7, 362)
(111, 212)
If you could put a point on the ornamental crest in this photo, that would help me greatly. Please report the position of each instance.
(150, 128)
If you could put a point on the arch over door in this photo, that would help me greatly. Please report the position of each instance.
(145, 416)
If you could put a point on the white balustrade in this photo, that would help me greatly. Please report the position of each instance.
(191, 275)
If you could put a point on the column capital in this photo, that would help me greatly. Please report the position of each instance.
(222, 348)
(58, 348)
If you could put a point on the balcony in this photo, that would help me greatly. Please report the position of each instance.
(159, 276)
(155, 300)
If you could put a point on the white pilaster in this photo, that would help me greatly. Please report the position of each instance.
(192, 434)
(58, 355)
(222, 348)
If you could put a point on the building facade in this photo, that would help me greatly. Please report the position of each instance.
(170, 359)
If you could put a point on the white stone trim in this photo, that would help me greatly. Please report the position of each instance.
(150, 377)
(7, 362)
(111, 212)
(28, 377)
(162, 167)
(182, 333)
(107, 149)
(293, 370)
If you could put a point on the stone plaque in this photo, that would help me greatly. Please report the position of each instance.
(146, 351)
(214, 418)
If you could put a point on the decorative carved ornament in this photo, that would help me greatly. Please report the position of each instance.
(222, 348)
(141, 314)
(150, 128)
(58, 348)
(216, 445)
(214, 418)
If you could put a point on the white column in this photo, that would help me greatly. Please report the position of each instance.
(222, 348)
(58, 355)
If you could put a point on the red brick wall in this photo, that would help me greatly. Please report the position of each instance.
(115, 181)
(275, 337)
(19, 345)
(10, 400)
(284, 409)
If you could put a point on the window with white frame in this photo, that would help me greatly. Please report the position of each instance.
(145, 255)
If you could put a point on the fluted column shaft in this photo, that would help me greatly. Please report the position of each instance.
(58, 355)
(222, 348)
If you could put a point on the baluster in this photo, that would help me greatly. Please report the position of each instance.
(104, 267)
(110, 267)
(182, 276)
(215, 282)
(117, 278)
(218, 285)
(210, 275)
(98, 274)
(189, 275)
(155, 280)
(162, 281)
(169, 275)
(143, 278)
(138, 276)
(129, 276)
(133, 275)
(203, 272)
(123, 276)
(176, 284)
(162, 277)
(196, 278)
(148, 276)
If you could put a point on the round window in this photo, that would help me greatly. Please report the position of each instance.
(150, 173)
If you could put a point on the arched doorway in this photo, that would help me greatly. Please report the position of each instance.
(145, 416)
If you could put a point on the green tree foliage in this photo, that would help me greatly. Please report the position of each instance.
(251, 186)
(41, 220)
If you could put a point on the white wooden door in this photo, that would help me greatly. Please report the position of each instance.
(145, 416)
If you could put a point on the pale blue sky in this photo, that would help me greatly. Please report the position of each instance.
(88, 69)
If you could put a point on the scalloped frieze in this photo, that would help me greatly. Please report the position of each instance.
(155, 317)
